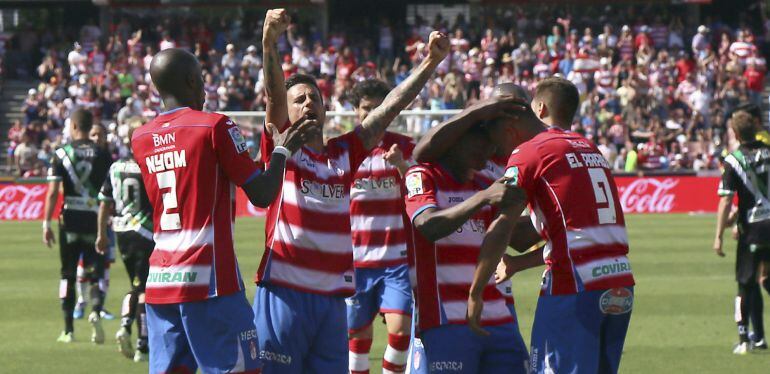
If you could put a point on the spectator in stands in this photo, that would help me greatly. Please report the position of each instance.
(14, 138)
(639, 82)
(25, 154)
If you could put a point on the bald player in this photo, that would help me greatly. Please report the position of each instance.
(190, 161)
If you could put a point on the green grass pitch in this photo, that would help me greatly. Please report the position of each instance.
(682, 321)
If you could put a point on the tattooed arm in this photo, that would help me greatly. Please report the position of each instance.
(276, 22)
(380, 118)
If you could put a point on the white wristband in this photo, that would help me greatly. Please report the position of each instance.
(282, 151)
(46, 225)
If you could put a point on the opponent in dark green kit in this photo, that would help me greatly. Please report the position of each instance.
(124, 198)
(81, 167)
(747, 174)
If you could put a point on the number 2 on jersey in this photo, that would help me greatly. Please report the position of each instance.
(169, 221)
(603, 195)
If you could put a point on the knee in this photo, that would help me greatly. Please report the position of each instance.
(363, 333)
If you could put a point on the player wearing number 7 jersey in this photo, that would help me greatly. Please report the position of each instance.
(191, 161)
(586, 298)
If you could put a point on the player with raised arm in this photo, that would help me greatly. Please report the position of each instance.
(191, 161)
(587, 292)
(124, 198)
(746, 173)
(81, 167)
(379, 242)
(306, 270)
(450, 204)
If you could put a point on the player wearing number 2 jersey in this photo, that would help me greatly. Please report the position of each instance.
(586, 297)
(191, 161)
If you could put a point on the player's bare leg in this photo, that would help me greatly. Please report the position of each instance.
(762, 275)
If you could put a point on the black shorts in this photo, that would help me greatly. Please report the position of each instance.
(747, 260)
(135, 252)
(71, 247)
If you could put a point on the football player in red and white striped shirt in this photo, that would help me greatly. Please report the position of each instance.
(587, 294)
(379, 243)
(450, 206)
(307, 267)
(191, 161)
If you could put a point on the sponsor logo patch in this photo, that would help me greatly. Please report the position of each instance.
(512, 176)
(414, 184)
(616, 301)
(238, 140)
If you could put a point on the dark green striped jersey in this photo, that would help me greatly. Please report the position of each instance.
(81, 166)
(125, 188)
(747, 174)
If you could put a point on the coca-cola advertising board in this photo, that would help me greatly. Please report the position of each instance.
(668, 194)
(665, 194)
(24, 202)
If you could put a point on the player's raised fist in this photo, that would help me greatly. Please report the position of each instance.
(276, 22)
(438, 45)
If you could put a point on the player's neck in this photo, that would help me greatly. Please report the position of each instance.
(173, 103)
(79, 136)
(316, 144)
(459, 172)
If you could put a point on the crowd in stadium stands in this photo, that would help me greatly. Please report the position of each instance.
(655, 95)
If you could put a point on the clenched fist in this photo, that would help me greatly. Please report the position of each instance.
(438, 46)
(276, 22)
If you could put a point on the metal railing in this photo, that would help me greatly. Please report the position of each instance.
(410, 122)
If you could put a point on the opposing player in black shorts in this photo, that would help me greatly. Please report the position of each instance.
(747, 174)
(80, 167)
(124, 198)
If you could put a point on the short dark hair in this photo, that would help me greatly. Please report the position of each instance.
(300, 78)
(555, 90)
(371, 88)
(749, 108)
(82, 119)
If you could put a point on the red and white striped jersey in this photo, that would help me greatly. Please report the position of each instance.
(493, 171)
(191, 162)
(604, 81)
(377, 207)
(575, 206)
(442, 271)
(743, 50)
(308, 244)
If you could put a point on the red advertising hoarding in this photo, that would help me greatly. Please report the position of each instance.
(664, 194)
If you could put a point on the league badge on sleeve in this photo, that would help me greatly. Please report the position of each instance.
(238, 140)
(414, 184)
(512, 176)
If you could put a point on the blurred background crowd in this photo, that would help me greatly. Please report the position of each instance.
(656, 91)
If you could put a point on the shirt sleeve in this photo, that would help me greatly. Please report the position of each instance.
(522, 169)
(56, 170)
(105, 193)
(233, 152)
(729, 183)
(420, 192)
